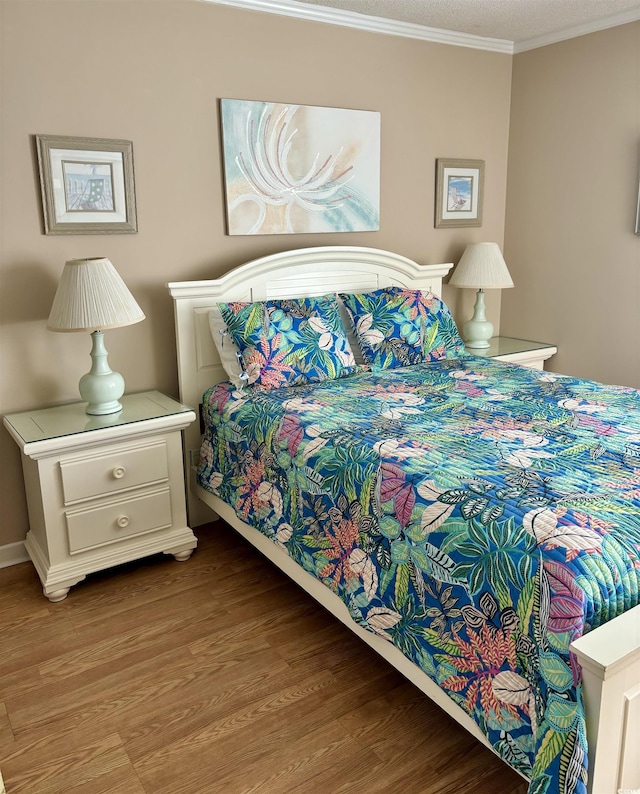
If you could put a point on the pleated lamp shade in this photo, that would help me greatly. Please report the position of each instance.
(92, 296)
(482, 266)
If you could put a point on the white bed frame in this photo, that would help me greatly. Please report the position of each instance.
(610, 655)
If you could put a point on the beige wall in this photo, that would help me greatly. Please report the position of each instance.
(152, 73)
(571, 200)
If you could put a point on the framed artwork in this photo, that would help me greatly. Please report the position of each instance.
(295, 169)
(87, 185)
(459, 190)
(638, 213)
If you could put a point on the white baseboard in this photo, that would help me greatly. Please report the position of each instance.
(12, 554)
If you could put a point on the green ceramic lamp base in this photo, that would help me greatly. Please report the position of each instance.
(478, 330)
(100, 387)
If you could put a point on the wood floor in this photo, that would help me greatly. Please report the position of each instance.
(217, 675)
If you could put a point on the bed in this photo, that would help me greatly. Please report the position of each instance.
(453, 625)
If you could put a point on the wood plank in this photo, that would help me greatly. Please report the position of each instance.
(254, 731)
(316, 761)
(58, 763)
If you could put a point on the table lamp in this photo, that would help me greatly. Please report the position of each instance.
(91, 296)
(481, 267)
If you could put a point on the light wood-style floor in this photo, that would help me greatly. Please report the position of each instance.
(217, 675)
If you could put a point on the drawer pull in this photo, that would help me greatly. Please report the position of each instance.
(122, 521)
(119, 472)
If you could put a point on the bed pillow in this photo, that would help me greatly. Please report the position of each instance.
(290, 342)
(229, 352)
(396, 327)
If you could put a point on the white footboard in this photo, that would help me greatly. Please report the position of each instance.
(610, 660)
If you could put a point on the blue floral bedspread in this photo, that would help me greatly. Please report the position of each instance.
(478, 515)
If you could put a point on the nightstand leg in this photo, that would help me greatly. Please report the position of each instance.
(57, 595)
(182, 556)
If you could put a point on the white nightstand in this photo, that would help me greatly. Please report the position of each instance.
(517, 351)
(102, 490)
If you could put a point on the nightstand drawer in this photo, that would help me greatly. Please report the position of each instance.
(111, 523)
(88, 477)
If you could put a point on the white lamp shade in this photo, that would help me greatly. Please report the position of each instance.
(481, 266)
(92, 296)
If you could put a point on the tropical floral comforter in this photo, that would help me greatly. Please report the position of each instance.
(478, 515)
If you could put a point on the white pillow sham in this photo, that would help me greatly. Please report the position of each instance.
(230, 356)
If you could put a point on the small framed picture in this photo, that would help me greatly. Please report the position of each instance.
(459, 189)
(87, 185)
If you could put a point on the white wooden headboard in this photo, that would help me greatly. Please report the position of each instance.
(292, 274)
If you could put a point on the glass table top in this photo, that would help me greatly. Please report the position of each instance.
(70, 419)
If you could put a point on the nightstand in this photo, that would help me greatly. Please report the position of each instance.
(517, 351)
(102, 490)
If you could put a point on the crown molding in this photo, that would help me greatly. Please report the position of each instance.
(410, 30)
(580, 30)
(350, 19)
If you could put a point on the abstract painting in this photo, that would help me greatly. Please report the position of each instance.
(295, 169)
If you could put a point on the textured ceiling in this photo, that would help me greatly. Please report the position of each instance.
(513, 20)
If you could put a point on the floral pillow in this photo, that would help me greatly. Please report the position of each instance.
(290, 342)
(397, 326)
